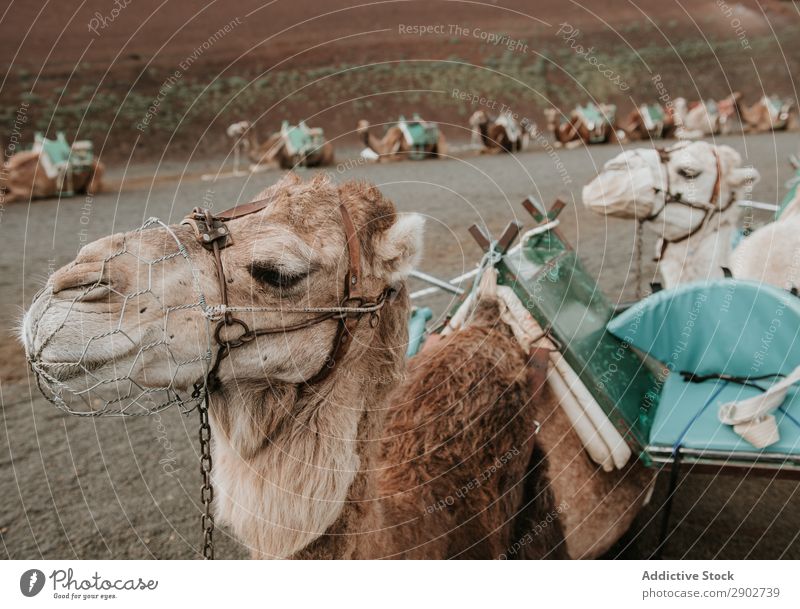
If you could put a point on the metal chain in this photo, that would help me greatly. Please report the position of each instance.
(639, 259)
(206, 490)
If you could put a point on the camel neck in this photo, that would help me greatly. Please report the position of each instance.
(291, 467)
(483, 128)
(701, 255)
(360, 513)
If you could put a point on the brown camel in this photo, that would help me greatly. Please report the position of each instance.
(497, 134)
(637, 126)
(23, 178)
(473, 387)
(337, 469)
(575, 130)
(768, 114)
(394, 145)
(564, 132)
(275, 150)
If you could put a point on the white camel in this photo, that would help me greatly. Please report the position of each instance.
(772, 253)
(686, 194)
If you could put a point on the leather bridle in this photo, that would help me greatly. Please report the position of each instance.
(709, 209)
(212, 232)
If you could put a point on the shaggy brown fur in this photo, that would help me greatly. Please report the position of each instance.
(458, 449)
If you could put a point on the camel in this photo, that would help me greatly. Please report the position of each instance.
(589, 124)
(563, 131)
(344, 468)
(685, 194)
(396, 143)
(278, 146)
(768, 114)
(24, 176)
(498, 134)
(650, 122)
(711, 117)
(771, 254)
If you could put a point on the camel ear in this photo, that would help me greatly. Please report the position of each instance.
(745, 176)
(399, 249)
(739, 177)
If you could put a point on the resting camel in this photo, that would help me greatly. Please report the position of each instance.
(575, 130)
(498, 134)
(274, 149)
(638, 126)
(768, 114)
(685, 194)
(711, 118)
(23, 178)
(394, 145)
(563, 131)
(340, 469)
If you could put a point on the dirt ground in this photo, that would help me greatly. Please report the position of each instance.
(113, 488)
(98, 72)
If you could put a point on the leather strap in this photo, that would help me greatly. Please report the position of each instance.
(211, 232)
(353, 278)
(245, 209)
(710, 208)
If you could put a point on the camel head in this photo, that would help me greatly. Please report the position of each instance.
(680, 107)
(362, 127)
(478, 118)
(128, 323)
(633, 184)
(236, 130)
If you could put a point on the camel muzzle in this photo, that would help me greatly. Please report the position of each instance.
(103, 344)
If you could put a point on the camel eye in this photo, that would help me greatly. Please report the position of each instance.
(688, 173)
(274, 277)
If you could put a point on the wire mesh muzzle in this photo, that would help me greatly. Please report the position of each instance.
(155, 360)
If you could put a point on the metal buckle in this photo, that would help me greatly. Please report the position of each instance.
(207, 233)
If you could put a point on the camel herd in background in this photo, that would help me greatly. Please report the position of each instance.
(29, 174)
(585, 124)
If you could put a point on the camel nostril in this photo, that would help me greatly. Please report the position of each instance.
(85, 281)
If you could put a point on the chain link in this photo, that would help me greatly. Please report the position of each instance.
(206, 490)
(639, 259)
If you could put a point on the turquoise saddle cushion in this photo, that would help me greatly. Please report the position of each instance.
(729, 326)
(687, 417)
(734, 327)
